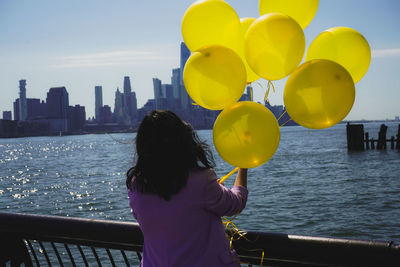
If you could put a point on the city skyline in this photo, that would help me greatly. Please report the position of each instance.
(80, 45)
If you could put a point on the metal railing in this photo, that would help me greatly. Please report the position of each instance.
(38, 240)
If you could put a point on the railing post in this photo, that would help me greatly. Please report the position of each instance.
(14, 251)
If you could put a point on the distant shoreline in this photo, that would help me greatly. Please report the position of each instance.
(134, 130)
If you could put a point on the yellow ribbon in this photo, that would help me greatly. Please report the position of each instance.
(282, 115)
(269, 86)
(223, 178)
(234, 231)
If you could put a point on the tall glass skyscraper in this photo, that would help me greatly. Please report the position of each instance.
(127, 95)
(98, 91)
(158, 94)
(176, 82)
(23, 110)
(118, 106)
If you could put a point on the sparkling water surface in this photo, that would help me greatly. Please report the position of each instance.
(312, 185)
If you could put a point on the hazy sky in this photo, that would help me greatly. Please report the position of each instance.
(83, 43)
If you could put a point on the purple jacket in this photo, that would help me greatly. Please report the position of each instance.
(187, 230)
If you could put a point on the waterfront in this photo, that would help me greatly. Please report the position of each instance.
(312, 185)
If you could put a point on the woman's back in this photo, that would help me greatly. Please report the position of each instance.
(187, 229)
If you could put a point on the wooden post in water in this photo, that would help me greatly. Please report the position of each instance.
(355, 136)
(382, 137)
(367, 140)
(398, 138)
(392, 142)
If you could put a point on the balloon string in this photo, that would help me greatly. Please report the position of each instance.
(223, 178)
(285, 123)
(269, 86)
(266, 96)
(119, 141)
(282, 115)
(251, 93)
(236, 234)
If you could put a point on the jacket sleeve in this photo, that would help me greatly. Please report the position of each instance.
(221, 200)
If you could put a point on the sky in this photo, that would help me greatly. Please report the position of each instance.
(80, 44)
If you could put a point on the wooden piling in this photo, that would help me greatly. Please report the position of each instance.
(355, 136)
(382, 137)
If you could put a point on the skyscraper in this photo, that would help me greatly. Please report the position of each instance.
(133, 105)
(127, 95)
(23, 111)
(185, 54)
(57, 109)
(16, 109)
(36, 109)
(158, 94)
(57, 103)
(76, 118)
(176, 82)
(118, 106)
(168, 93)
(98, 90)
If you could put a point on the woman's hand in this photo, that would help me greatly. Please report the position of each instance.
(241, 178)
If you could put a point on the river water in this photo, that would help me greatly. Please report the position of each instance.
(312, 185)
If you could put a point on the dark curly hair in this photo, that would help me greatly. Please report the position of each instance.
(167, 149)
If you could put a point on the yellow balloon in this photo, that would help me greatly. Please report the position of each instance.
(345, 46)
(303, 11)
(246, 134)
(274, 46)
(211, 22)
(319, 94)
(214, 77)
(245, 24)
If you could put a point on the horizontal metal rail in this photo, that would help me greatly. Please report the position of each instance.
(57, 241)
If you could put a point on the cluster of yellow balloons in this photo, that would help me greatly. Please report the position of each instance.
(228, 53)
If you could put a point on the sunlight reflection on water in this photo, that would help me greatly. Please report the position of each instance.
(312, 185)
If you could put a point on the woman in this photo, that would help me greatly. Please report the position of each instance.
(176, 198)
